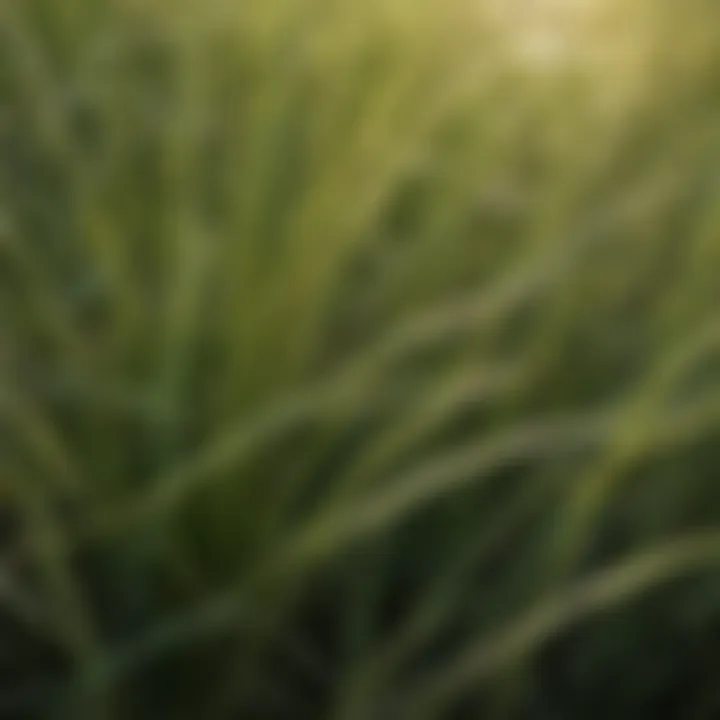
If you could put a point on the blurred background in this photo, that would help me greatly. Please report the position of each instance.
(359, 360)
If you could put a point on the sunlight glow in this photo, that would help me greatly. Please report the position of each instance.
(545, 35)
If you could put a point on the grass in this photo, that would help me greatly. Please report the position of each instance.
(348, 370)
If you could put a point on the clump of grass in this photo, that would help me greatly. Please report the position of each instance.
(346, 371)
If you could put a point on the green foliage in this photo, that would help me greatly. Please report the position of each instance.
(349, 371)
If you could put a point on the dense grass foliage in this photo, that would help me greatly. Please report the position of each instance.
(351, 370)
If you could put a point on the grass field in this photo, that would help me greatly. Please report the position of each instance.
(359, 360)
